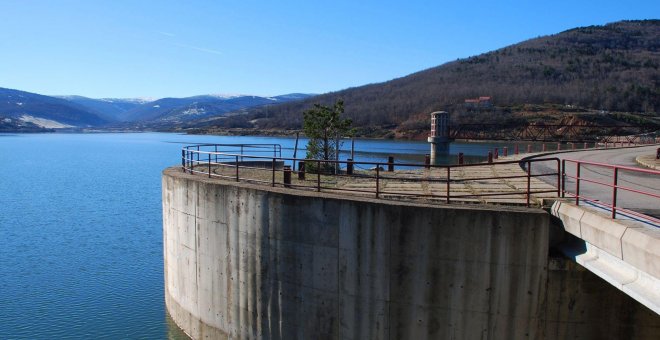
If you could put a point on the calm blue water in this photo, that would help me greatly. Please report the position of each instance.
(80, 226)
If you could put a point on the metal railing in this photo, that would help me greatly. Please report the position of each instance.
(325, 175)
(615, 186)
(188, 153)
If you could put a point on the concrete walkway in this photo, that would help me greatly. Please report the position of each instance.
(477, 184)
(486, 183)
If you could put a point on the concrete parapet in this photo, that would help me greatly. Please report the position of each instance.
(631, 241)
(570, 215)
(641, 248)
(623, 252)
(603, 232)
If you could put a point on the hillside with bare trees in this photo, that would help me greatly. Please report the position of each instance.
(610, 68)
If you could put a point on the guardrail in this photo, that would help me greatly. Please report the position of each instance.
(189, 152)
(215, 162)
(614, 185)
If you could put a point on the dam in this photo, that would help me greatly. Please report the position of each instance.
(262, 259)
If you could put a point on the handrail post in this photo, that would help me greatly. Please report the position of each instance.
(287, 176)
(563, 178)
(209, 165)
(295, 151)
(558, 178)
(577, 183)
(301, 170)
(448, 180)
(273, 182)
(192, 161)
(183, 159)
(529, 179)
(377, 179)
(318, 176)
(616, 182)
(237, 178)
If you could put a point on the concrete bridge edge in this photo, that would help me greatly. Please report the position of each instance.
(624, 253)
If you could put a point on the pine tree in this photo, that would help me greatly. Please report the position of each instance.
(325, 128)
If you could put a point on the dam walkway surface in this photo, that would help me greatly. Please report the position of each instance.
(505, 181)
(519, 179)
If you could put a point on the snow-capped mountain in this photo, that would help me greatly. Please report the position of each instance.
(178, 110)
(45, 111)
(112, 109)
(31, 110)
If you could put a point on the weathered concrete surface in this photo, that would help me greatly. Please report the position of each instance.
(246, 261)
(624, 253)
(583, 306)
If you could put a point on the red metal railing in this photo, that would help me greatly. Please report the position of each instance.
(208, 159)
(614, 185)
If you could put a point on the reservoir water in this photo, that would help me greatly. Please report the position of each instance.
(81, 229)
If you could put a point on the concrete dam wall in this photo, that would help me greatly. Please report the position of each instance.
(248, 261)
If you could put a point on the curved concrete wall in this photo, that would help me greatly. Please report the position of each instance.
(245, 261)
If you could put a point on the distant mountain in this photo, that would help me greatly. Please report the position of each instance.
(8, 124)
(45, 111)
(615, 67)
(293, 96)
(178, 110)
(111, 109)
(25, 111)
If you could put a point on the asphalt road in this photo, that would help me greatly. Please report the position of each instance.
(629, 179)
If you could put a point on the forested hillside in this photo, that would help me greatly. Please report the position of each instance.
(611, 68)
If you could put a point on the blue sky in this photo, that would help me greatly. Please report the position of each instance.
(133, 48)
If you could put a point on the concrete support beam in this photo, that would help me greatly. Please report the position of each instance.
(624, 253)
